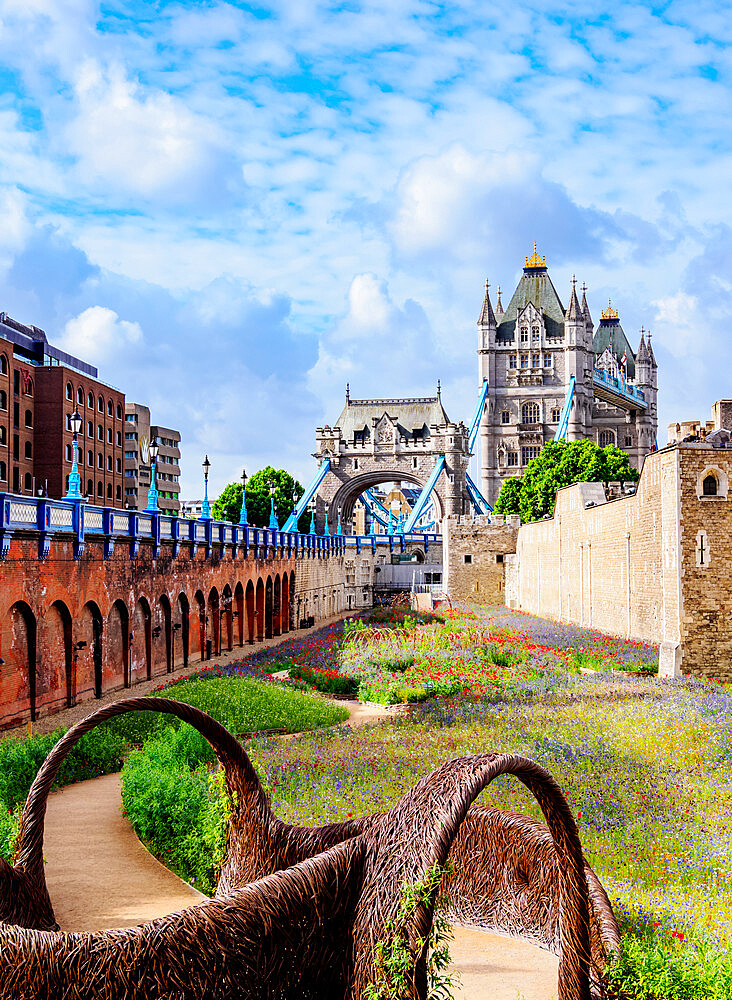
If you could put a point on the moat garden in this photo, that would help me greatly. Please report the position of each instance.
(644, 763)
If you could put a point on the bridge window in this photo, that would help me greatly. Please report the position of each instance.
(606, 438)
(524, 361)
(512, 458)
(530, 413)
(415, 463)
(505, 417)
(355, 464)
(359, 437)
(710, 486)
(628, 441)
(547, 360)
(467, 559)
(524, 334)
(535, 332)
(529, 452)
(512, 361)
(535, 360)
(556, 414)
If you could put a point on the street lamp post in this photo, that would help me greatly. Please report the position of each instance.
(327, 528)
(274, 524)
(74, 490)
(243, 515)
(152, 493)
(339, 530)
(311, 505)
(205, 506)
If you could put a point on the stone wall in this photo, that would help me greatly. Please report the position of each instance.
(651, 566)
(474, 552)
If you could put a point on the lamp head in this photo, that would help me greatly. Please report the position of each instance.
(76, 422)
(244, 478)
(206, 465)
(153, 450)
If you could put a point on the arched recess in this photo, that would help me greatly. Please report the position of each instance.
(202, 620)
(88, 652)
(165, 623)
(239, 610)
(277, 606)
(285, 615)
(259, 610)
(350, 491)
(54, 685)
(141, 645)
(227, 618)
(182, 613)
(22, 660)
(215, 620)
(268, 608)
(118, 644)
(251, 612)
(294, 616)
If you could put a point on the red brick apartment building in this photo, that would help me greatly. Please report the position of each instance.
(40, 386)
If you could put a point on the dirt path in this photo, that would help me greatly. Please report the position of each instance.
(100, 876)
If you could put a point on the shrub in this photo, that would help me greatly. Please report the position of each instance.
(328, 681)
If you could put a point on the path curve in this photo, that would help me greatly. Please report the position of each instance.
(100, 876)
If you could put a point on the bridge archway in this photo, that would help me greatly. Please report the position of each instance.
(23, 650)
(251, 612)
(259, 610)
(268, 608)
(56, 644)
(239, 601)
(118, 641)
(349, 492)
(183, 612)
(277, 607)
(227, 620)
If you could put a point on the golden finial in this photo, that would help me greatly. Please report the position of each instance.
(535, 260)
(610, 313)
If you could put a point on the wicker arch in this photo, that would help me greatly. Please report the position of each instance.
(332, 894)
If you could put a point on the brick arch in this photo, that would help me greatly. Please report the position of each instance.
(57, 679)
(268, 607)
(88, 652)
(182, 614)
(118, 642)
(259, 609)
(277, 605)
(239, 607)
(199, 602)
(226, 617)
(347, 495)
(21, 662)
(141, 644)
(285, 615)
(163, 642)
(249, 600)
(214, 620)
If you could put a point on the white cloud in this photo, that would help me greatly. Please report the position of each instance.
(99, 335)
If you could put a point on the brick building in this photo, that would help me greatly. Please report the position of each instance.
(139, 434)
(40, 386)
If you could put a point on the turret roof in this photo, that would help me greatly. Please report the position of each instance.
(574, 312)
(585, 308)
(409, 414)
(535, 286)
(611, 334)
(487, 317)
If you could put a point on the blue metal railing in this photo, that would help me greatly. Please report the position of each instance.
(602, 377)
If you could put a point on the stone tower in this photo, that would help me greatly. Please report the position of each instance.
(528, 354)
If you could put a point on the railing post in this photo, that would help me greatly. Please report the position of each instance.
(77, 520)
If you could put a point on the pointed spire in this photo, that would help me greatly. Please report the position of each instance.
(439, 390)
(642, 357)
(651, 355)
(499, 304)
(487, 317)
(573, 311)
(348, 393)
(585, 308)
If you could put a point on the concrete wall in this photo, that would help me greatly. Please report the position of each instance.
(474, 552)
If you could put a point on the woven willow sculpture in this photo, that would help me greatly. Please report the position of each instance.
(298, 912)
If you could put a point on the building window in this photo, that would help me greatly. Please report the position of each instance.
(547, 360)
(709, 486)
(524, 334)
(16, 414)
(467, 559)
(90, 404)
(119, 412)
(90, 487)
(3, 365)
(100, 432)
(109, 463)
(119, 492)
(100, 489)
(69, 391)
(130, 436)
(529, 452)
(119, 439)
(89, 429)
(535, 360)
(130, 454)
(535, 332)
(28, 482)
(130, 418)
(3, 435)
(556, 414)
(16, 382)
(355, 463)
(3, 472)
(109, 491)
(119, 465)
(505, 417)
(512, 458)
(628, 441)
(524, 361)
(100, 461)
(28, 418)
(110, 408)
(606, 438)
(80, 396)
(3, 400)
(90, 457)
(130, 472)
(68, 452)
(530, 413)
(512, 361)
(109, 435)
(28, 449)
(100, 405)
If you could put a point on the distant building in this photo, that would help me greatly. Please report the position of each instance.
(191, 508)
(40, 386)
(138, 434)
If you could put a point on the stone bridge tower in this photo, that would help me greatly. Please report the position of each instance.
(390, 440)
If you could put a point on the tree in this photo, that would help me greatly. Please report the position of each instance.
(562, 463)
(228, 505)
(509, 497)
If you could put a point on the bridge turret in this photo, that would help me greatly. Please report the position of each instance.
(486, 338)
(579, 362)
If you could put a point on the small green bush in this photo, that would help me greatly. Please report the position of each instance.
(327, 681)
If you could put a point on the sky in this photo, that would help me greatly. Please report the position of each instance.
(235, 209)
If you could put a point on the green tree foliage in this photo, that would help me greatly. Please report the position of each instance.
(562, 463)
(228, 505)
(509, 498)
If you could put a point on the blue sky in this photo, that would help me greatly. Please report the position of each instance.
(234, 209)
